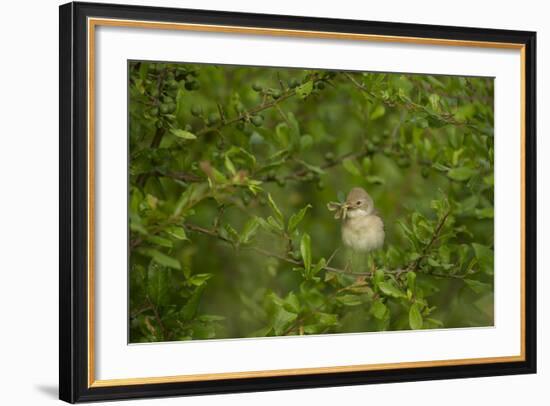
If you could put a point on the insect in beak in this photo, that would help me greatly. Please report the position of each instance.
(340, 209)
(345, 208)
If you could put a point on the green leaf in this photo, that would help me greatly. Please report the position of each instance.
(304, 90)
(433, 263)
(199, 278)
(415, 317)
(281, 320)
(282, 134)
(477, 286)
(378, 112)
(263, 332)
(349, 300)
(306, 141)
(489, 179)
(434, 322)
(210, 317)
(229, 165)
(378, 277)
(367, 164)
(204, 330)
(189, 310)
(434, 101)
(390, 290)
(143, 69)
(137, 227)
(485, 213)
(186, 135)
(327, 319)
(292, 303)
(249, 230)
(320, 265)
(375, 180)
(305, 249)
(161, 258)
(485, 257)
(411, 280)
(379, 309)
(163, 242)
(158, 283)
(461, 174)
(231, 232)
(275, 225)
(177, 232)
(242, 155)
(456, 156)
(469, 203)
(181, 108)
(191, 196)
(269, 226)
(318, 170)
(350, 166)
(440, 167)
(296, 218)
(312, 329)
(278, 215)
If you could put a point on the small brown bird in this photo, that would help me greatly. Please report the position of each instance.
(362, 228)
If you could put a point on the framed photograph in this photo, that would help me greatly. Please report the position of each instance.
(257, 202)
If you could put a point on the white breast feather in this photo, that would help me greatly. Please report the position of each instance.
(363, 233)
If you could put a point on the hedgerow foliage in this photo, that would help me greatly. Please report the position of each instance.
(231, 169)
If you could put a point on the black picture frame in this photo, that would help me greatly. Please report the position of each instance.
(74, 200)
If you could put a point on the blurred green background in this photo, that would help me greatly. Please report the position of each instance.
(231, 170)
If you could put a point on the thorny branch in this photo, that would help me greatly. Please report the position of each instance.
(157, 318)
(414, 265)
(297, 175)
(410, 105)
(246, 115)
(292, 261)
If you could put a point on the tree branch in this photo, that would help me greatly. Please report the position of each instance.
(245, 115)
(212, 233)
(414, 265)
(398, 272)
(296, 175)
(158, 319)
(159, 134)
(292, 261)
(409, 105)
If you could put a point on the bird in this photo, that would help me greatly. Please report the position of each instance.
(362, 228)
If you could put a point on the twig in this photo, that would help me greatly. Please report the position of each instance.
(409, 105)
(140, 310)
(243, 116)
(296, 175)
(157, 318)
(159, 134)
(183, 176)
(332, 256)
(299, 174)
(282, 114)
(292, 261)
(212, 233)
(414, 265)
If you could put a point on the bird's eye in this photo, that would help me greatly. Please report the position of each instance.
(358, 202)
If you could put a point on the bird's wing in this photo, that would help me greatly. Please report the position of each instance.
(377, 214)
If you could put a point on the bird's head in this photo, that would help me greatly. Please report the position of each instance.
(358, 203)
